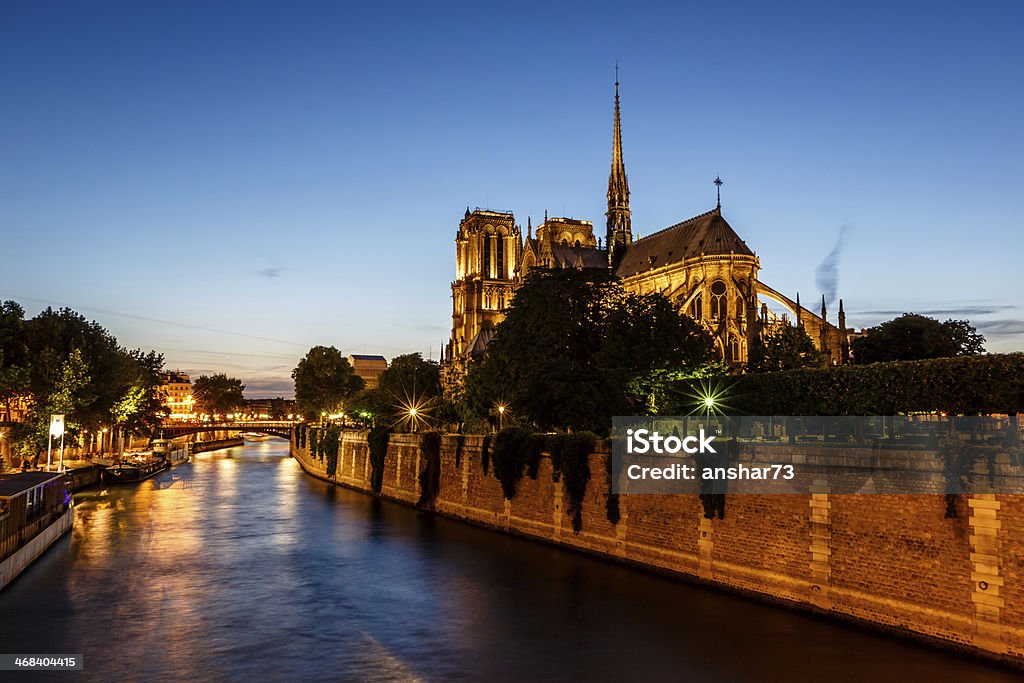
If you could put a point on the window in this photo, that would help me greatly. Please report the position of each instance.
(696, 308)
(719, 306)
(486, 270)
(501, 258)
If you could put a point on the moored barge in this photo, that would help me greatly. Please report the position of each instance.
(35, 510)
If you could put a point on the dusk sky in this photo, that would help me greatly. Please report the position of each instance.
(232, 183)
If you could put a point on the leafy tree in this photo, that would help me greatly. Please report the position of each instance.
(575, 349)
(52, 336)
(648, 343)
(218, 394)
(70, 396)
(323, 381)
(14, 365)
(369, 405)
(917, 337)
(784, 348)
(411, 377)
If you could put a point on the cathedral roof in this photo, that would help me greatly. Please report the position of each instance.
(707, 234)
(566, 256)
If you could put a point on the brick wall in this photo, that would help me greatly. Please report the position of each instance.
(891, 561)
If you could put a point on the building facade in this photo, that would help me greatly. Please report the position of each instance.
(369, 368)
(701, 263)
(176, 393)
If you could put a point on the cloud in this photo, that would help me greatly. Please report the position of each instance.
(269, 388)
(271, 272)
(966, 310)
(1001, 328)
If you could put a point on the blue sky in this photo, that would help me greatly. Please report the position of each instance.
(232, 183)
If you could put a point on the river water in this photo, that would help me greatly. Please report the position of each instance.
(239, 567)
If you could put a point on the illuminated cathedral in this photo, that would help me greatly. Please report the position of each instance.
(700, 263)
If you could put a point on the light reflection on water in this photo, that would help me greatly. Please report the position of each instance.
(237, 566)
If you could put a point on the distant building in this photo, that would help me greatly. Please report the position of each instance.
(270, 408)
(176, 392)
(369, 368)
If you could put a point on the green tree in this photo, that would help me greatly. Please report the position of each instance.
(575, 349)
(647, 344)
(218, 394)
(14, 365)
(785, 347)
(323, 381)
(411, 378)
(917, 337)
(70, 396)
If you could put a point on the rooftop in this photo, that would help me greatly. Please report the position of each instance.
(13, 484)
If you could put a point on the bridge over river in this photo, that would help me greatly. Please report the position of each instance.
(239, 567)
(282, 428)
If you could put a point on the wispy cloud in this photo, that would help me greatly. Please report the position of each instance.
(966, 310)
(271, 272)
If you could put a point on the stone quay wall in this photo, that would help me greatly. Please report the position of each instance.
(894, 562)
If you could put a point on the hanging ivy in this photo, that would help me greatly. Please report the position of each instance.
(430, 468)
(314, 436)
(377, 440)
(611, 502)
(510, 458)
(575, 467)
(460, 441)
(533, 448)
(554, 444)
(329, 443)
(485, 454)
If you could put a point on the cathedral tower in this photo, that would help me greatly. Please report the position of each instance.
(620, 232)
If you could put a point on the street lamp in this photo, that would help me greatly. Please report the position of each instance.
(501, 416)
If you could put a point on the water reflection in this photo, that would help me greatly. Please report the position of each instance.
(237, 566)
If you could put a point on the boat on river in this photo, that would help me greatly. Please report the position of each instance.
(135, 467)
(35, 510)
(173, 454)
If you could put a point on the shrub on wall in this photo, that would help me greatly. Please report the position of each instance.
(576, 474)
(485, 454)
(989, 384)
(430, 467)
(555, 444)
(611, 503)
(510, 458)
(460, 442)
(377, 440)
(329, 442)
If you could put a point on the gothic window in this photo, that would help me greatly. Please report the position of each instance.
(719, 306)
(739, 309)
(696, 308)
(487, 257)
(501, 258)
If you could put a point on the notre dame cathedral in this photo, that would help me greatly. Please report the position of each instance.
(701, 263)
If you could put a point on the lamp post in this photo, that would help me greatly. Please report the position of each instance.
(501, 417)
(56, 429)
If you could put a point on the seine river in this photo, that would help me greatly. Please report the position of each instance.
(238, 567)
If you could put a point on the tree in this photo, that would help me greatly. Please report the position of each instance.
(784, 348)
(411, 377)
(218, 394)
(917, 337)
(14, 365)
(575, 349)
(647, 344)
(323, 380)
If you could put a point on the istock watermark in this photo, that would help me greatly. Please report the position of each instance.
(916, 454)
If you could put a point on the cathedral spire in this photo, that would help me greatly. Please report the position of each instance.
(619, 232)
